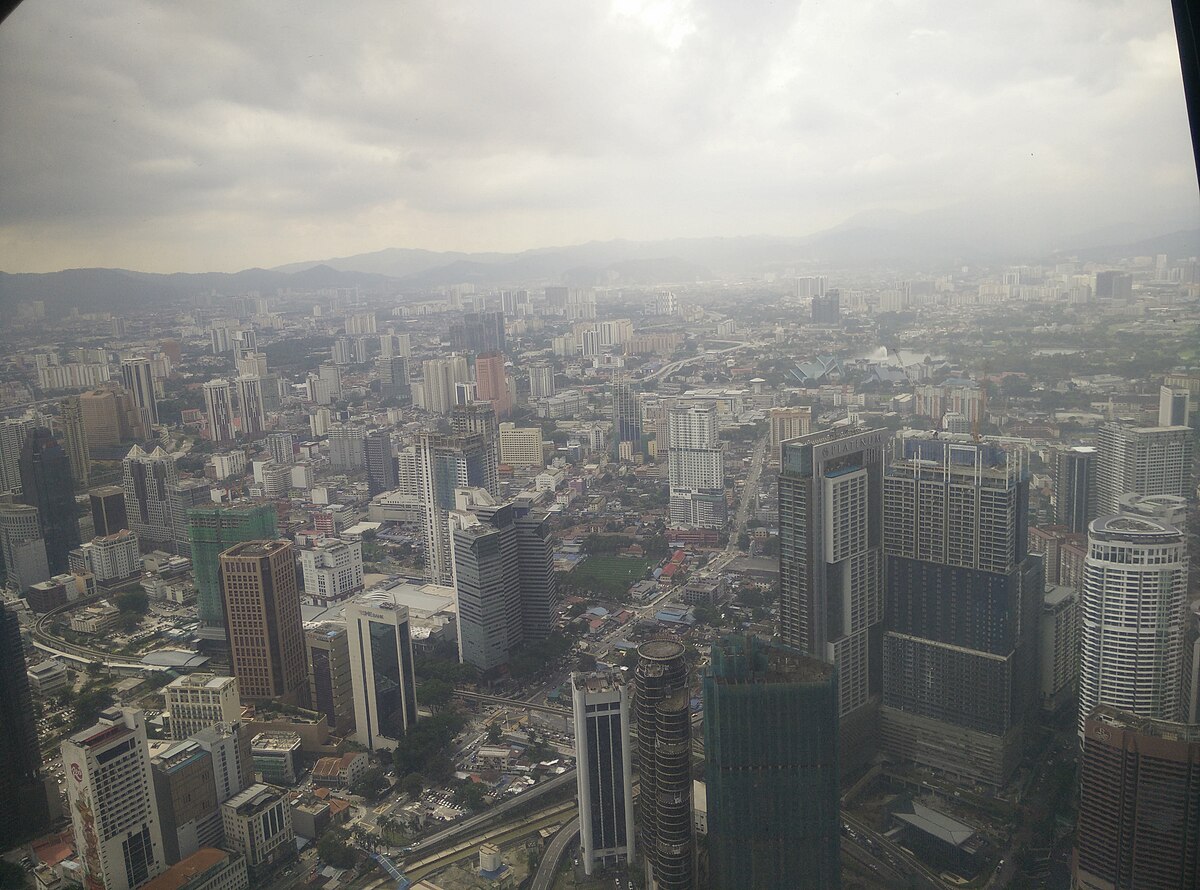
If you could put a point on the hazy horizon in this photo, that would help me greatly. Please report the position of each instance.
(173, 139)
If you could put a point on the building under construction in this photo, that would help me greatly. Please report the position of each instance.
(771, 748)
(664, 759)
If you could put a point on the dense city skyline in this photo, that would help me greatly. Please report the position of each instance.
(153, 138)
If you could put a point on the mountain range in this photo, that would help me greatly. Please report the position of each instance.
(885, 241)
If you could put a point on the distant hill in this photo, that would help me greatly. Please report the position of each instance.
(1185, 243)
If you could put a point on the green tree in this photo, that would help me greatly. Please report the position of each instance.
(494, 734)
(334, 849)
(12, 875)
(371, 784)
(469, 795)
(133, 601)
(435, 694)
(412, 785)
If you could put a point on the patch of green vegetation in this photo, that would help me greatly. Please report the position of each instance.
(606, 577)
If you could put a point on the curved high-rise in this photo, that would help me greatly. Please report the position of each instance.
(1133, 613)
(664, 756)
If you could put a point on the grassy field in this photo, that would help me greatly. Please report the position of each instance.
(609, 576)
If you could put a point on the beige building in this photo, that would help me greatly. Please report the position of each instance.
(521, 446)
(206, 869)
(258, 824)
(788, 423)
(197, 701)
(262, 611)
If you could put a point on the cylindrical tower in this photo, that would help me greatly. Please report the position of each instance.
(1134, 610)
(664, 751)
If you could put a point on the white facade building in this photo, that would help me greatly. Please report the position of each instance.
(198, 701)
(333, 570)
(114, 812)
(696, 467)
(521, 446)
(218, 408)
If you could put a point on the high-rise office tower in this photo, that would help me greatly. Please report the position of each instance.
(380, 457)
(282, 447)
(138, 380)
(218, 408)
(46, 483)
(1145, 461)
(963, 602)
(102, 424)
(1075, 487)
(148, 480)
(439, 376)
(186, 495)
(487, 580)
(1133, 617)
(788, 423)
(381, 669)
(664, 761)
(492, 384)
(13, 431)
(771, 768)
(198, 701)
(827, 310)
(24, 812)
(1174, 406)
(22, 547)
(346, 446)
(1139, 803)
(393, 378)
(232, 757)
(541, 380)
(329, 675)
(480, 418)
(114, 811)
(831, 569)
(600, 703)
(1189, 698)
(331, 376)
(696, 468)
(446, 463)
(75, 439)
(627, 419)
(252, 364)
(250, 405)
(262, 613)
(186, 795)
(479, 332)
(539, 584)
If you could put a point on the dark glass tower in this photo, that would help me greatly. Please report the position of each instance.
(771, 751)
(47, 483)
(24, 811)
(382, 474)
(664, 761)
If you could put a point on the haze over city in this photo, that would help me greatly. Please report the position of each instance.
(170, 137)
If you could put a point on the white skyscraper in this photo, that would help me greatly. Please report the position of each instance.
(1134, 614)
(1145, 461)
(541, 380)
(139, 381)
(114, 813)
(696, 467)
(600, 704)
(447, 463)
(381, 668)
(12, 436)
(440, 376)
(250, 405)
(218, 406)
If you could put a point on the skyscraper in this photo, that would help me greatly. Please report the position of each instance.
(250, 405)
(138, 380)
(1075, 492)
(102, 423)
(1139, 803)
(541, 380)
(46, 483)
(604, 774)
(438, 379)
(218, 408)
(22, 547)
(771, 768)
(13, 431)
(491, 383)
(446, 463)
(262, 611)
(148, 480)
(479, 332)
(539, 584)
(1174, 406)
(380, 457)
(381, 669)
(627, 420)
(393, 378)
(198, 701)
(487, 580)
(787, 423)
(1145, 461)
(330, 675)
(75, 438)
(186, 794)
(114, 812)
(21, 786)
(346, 446)
(480, 418)
(282, 446)
(827, 310)
(963, 603)
(696, 468)
(1134, 614)
(664, 761)
(831, 569)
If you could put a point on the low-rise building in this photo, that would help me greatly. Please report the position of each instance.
(341, 772)
(274, 756)
(206, 869)
(47, 677)
(333, 570)
(95, 619)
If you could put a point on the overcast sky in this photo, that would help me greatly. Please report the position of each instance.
(198, 136)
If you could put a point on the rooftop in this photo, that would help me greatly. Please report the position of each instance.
(183, 872)
(276, 741)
